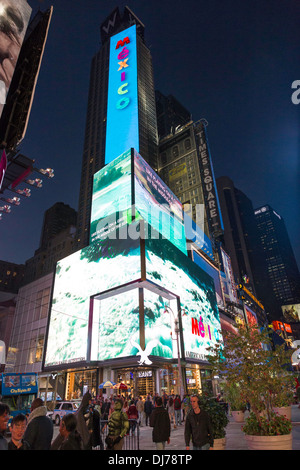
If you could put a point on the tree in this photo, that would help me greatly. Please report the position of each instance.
(246, 359)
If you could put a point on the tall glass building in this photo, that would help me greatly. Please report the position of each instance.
(283, 271)
(96, 120)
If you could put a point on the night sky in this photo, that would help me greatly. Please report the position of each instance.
(230, 62)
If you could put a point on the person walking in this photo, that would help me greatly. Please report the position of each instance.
(132, 414)
(148, 408)
(198, 427)
(177, 410)
(39, 431)
(140, 407)
(18, 427)
(118, 426)
(71, 437)
(4, 418)
(160, 422)
(171, 410)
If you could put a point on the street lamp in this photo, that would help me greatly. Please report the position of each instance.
(176, 321)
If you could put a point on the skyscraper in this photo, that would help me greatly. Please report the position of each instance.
(282, 268)
(96, 119)
(242, 243)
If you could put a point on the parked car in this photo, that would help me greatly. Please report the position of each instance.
(61, 409)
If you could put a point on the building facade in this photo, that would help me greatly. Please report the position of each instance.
(96, 119)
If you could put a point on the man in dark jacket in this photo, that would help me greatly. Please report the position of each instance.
(148, 407)
(198, 427)
(39, 431)
(160, 422)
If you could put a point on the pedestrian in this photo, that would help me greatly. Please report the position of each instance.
(140, 407)
(18, 427)
(148, 407)
(171, 411)
(198, 427)
(71, 437)
(177, 410)
(118, 426)
(93, 425)
(132, 414)
(4, 418)
(81, 421)
(160, 422)
(39, 430)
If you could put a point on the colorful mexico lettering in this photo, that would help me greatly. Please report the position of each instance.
(204, 330)
(122, 127)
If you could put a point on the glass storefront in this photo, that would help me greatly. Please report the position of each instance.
(79, 382)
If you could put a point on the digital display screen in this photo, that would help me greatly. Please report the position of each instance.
(157, 205)
(122, 127)
(170, 268)
(112, 197)
(102, 265)
(116, 191)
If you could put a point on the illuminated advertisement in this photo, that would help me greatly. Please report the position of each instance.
(14, 19)
(110, 294)
(251, 316)
(122, 128)
(112, 196)
(18, 384)
(100, 266)
(170, 268)
(291, 312)
(129, 182)
(157, 204)
(214, 273)
(227, 278)
(208, 183)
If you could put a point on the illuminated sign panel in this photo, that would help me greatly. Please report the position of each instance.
(102, 265)
(129, 181)
(14, 19)
(171, 269)
(122, 127)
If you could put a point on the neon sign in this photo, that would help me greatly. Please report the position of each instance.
(122, 130)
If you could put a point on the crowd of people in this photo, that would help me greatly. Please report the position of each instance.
(83, 430)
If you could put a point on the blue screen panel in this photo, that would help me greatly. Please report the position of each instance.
(122, 130)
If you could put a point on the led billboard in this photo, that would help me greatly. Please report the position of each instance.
(14, 18)
(171, 269)
(128, 186)
(122, 127)
(100, 266)
(291, 313)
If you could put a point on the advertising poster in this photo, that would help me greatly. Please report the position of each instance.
(14, 19)
(291, 313)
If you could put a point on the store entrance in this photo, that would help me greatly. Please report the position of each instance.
(140, 382)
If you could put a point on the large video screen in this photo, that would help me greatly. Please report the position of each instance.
(103, 265)
(157, 205)
(170, 268)
(122, 128)
(112, 197)
(14, 19)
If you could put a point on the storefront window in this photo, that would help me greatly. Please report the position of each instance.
(78, 383)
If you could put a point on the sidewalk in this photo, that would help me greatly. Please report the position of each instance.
(234, 435)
